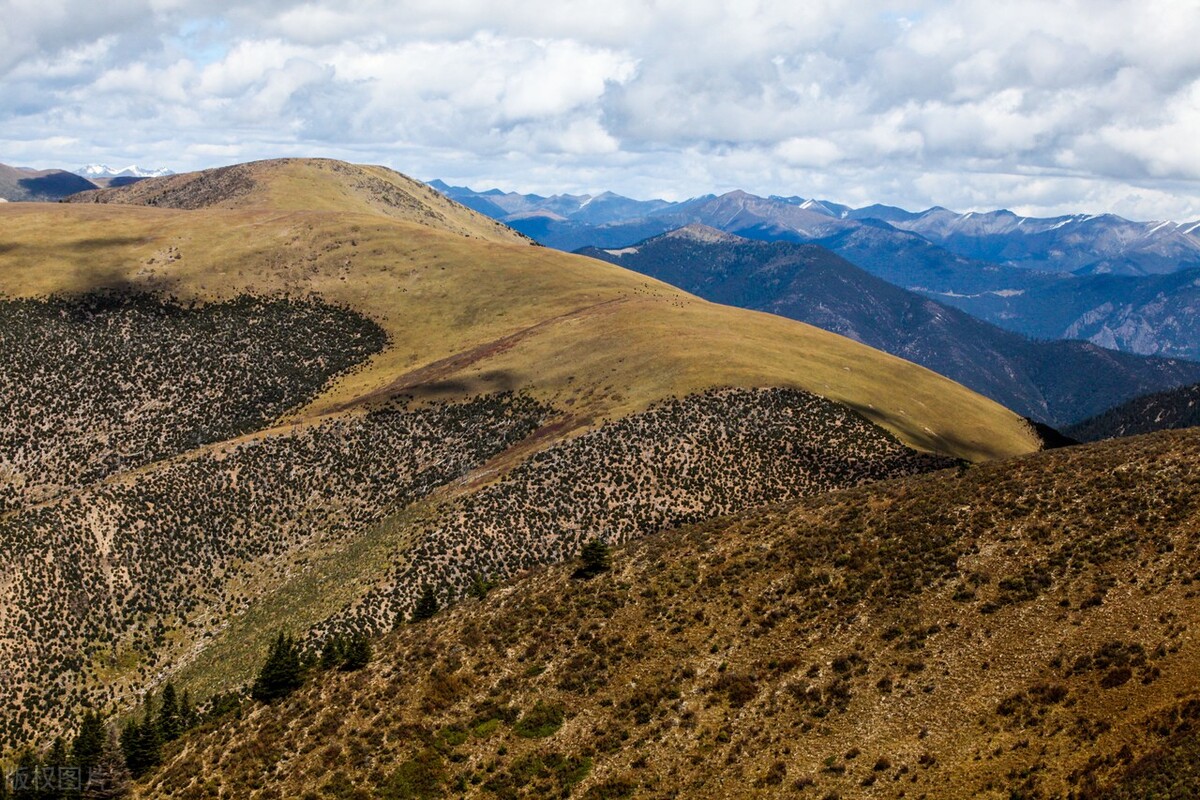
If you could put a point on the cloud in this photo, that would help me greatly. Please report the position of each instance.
(1066, 106)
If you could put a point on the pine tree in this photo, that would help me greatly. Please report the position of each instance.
(187, 711)
(141, 743)
(281, 674)
(27, 777)
(357, 653)
(596, 559)
(427, 605)
(110, 778)
(332, 652)
(55, 767)
(480, 586)
(170, 725)
(89, 743)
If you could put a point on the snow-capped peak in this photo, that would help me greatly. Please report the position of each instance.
(132, 171)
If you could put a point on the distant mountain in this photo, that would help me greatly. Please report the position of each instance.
(1130, 286)
(1172, 409)
(1082, 243)
(132, 171)
(1053, 382)
(22, 183)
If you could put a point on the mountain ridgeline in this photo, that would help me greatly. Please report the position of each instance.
(1053, 382)
(1131, 286)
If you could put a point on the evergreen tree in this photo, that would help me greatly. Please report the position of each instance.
(332, 652)
(56, 768)
(480, 586)
(357, 653)
(170, 725)
(110, 778)
(27, 777)
(281, 674)
(427, 605)
(187, 711)
(89, 743)
(596, 559)
(141, 743)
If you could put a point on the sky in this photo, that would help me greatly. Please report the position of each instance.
(1042, 106)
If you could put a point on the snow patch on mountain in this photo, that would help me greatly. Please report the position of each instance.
(132, 171)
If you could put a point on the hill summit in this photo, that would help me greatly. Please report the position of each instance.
(310, 184)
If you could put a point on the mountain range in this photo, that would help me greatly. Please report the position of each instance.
(1055, 382)
(92, 171)
(1130, 286)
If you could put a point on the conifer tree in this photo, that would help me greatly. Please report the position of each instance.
(332, 652)
(282, 673)
(357, 653)
(187, 711)
(110, 778)
(170, 726)
(596, 559)
(27, 776)
(427, 605)
(480, 586)
(89, 743)
(55, 766)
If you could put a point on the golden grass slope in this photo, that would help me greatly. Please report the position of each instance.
(1023, 629)
(467, 314)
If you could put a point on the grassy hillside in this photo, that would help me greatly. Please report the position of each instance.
(1010, 630)
(465, 316)
(285, 408)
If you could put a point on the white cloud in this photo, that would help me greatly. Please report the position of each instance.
(966, 103)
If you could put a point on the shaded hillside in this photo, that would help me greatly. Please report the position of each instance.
(100, 384)
(1012, 630)
(21, 184)
(306, 183)
(1176, 408)
(1055, 382)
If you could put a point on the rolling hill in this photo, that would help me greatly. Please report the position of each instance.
(285, 393)
(1019, 629)
(1054, 382)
